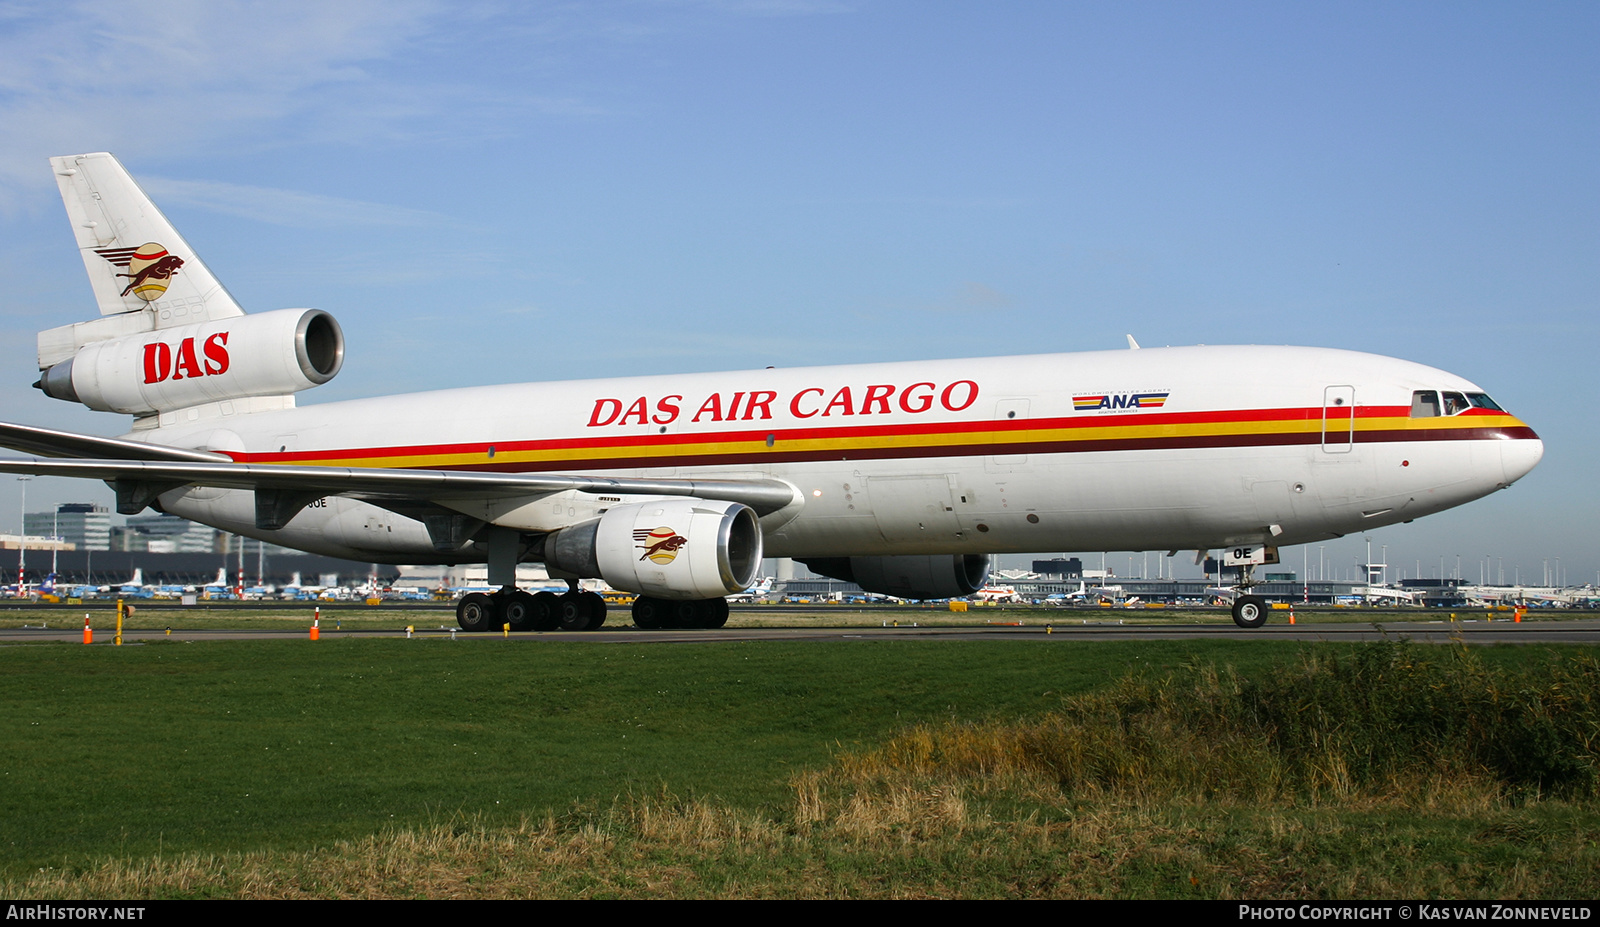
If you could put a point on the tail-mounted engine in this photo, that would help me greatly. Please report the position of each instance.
(934, 576)
(672, 549)
(269, 354)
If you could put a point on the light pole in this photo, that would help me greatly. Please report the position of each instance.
(22, 540)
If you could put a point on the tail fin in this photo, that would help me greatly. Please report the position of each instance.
(144, 274)
(118, 227)
(222, 577)
(138, 577)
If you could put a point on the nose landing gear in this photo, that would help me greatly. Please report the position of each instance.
(1249, 611)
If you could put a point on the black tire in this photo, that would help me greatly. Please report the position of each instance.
(546, 611)
(649, 613)
(475, 612)
(597, 609)
(683, 614)
(573, 612)
(518, 610)
(1249, 611)
(716, 613)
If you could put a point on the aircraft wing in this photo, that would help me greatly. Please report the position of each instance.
(48, 442)
(282, 491)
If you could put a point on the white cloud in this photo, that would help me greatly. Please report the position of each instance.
(186, 76)
(284, 207)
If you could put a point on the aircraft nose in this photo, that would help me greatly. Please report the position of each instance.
(1518, 456)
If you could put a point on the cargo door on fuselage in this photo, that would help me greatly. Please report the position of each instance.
(913, 508)
(1010, 411)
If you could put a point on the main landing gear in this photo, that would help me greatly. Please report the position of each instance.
(541, 611)
(1249, 611)
(656, 614)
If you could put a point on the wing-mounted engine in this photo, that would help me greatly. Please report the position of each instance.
(680, 549)
(933, 576)
(269, 354)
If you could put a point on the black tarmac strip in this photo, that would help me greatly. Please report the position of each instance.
(1582, 631)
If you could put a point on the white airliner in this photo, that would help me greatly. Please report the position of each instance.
(903, 477)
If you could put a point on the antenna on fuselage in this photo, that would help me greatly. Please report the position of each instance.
(1132, 345)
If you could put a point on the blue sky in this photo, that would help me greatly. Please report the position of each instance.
(494, 193)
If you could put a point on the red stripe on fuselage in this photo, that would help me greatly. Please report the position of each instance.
(821, 432)
(633, 458)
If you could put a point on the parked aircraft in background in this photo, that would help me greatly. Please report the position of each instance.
(755, 593)
(134, 588)
(996, 594)
(218, 588)
(1066, 598)
(903, 477)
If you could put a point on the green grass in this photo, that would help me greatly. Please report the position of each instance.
(245, 744)
(391, 768)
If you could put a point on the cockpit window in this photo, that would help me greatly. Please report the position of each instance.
(1424, 403)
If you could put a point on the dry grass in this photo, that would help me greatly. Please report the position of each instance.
(911, 844)
(1340, 777)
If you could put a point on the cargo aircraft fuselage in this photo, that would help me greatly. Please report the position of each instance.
(904, 477)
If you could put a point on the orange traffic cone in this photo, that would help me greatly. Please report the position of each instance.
(88, 632)
(316, 619)
(1291, 614)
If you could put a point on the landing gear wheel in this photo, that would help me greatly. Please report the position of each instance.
(546, 611)
(519, 610)
(475, 612)
(580, 611)
(683, 614)
(716, 613)
(596, 608)
(571, 614)
(650, 613)
(1249, 611)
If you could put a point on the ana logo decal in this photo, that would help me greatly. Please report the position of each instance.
(150, 267)
(1102, 401)
(660, 545)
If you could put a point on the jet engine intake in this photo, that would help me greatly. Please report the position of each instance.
(931, 576)
(672, 549)
(269, 354)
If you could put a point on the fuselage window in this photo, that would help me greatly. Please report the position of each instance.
(1424, 403)
(1482, 401)
(1455, 404)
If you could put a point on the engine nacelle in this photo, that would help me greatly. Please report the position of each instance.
(270, 354)
(931, 576)
(672, 549)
